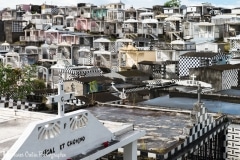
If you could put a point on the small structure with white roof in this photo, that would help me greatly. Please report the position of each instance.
(4, 48)
(13, 59)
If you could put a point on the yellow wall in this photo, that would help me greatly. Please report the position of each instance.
(147, 56)
(142, 55)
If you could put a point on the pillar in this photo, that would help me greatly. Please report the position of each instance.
(2, 102)
(10, 104)
(130, 151)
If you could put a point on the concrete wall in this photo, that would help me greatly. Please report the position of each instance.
(212, 47)
(209, 76)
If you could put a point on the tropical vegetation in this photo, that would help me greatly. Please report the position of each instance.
(17, 83)
(172, 3)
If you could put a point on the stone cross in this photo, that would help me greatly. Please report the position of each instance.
(193, 77)
(60, 98)
(112, 83)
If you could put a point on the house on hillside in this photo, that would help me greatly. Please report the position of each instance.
(173, 27)
(198, 12)
(114, 19)
(104, 54)
(7, 14)
(227, 24)
(99, 15)
(130, 23)
(32, 36)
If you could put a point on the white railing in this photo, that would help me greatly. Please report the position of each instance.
(22, 38)
(84, 61)
(33, 38)
(27, 38)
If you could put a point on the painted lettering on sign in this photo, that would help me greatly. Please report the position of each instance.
(69, 143)
(48, 151)
(75, 141)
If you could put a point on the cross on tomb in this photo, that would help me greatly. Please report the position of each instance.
(123, 94)
(112, 83)
(193, 77)
(60, 98)
(219, 50)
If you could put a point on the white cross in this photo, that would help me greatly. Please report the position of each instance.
(60, 98)
(123, 94)
(219, 50)
(193, 77)
(112, 83)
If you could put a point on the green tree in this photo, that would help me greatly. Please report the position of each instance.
(15, 82)
(26, 81)
(172, 3)
(8, 79)
(39, 84)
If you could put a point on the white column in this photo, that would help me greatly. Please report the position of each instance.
(10, 103)
(130, 151)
